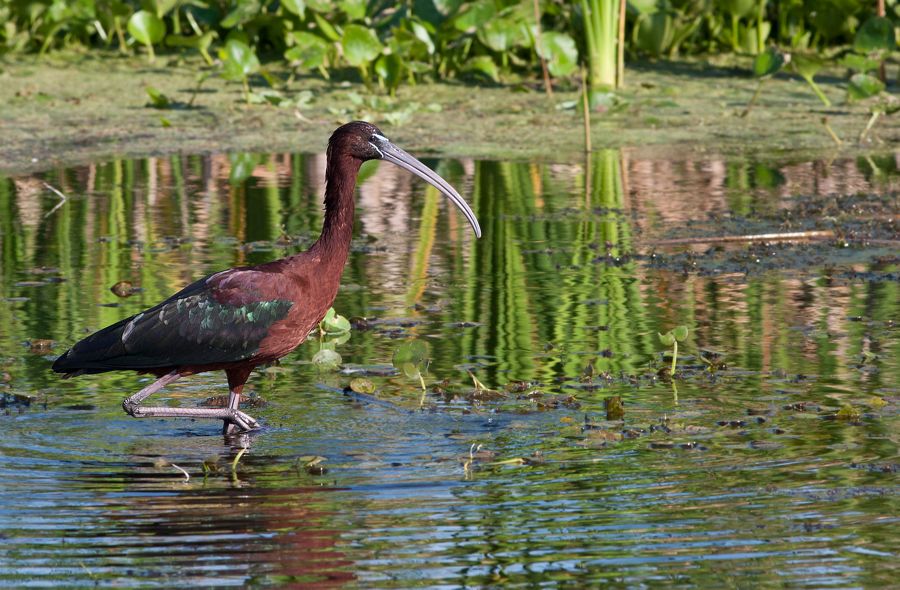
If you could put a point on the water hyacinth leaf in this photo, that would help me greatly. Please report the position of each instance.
(354, 9)
(483, 64)
(667, 339)
(863, 86)
(244, 12)
(497, 34)
(327, 359)
(360, 45)
(422, 34)
(326, 29)
(309, 51)
(297, 7)
(560, 52)
(475, 16)
(389, 69)
(876, 34)
(147, 28)
(238, 60)
(319, 5)
(806, 65)
(411, 357)
(768, 62)
(859, 63)
(653, 33)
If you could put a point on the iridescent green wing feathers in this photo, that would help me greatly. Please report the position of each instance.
(204, 324)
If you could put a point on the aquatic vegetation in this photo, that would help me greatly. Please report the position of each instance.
(394, 43)
(672, 338)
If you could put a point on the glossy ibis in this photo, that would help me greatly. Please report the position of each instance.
(243, 317)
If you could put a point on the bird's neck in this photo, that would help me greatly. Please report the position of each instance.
(333, 245)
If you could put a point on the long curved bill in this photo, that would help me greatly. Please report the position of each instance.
(395, 155)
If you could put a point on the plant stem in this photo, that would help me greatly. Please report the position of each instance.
(586, 111)
(674, 357)
(246, 89)
(817, 90)
(537, 32)
(872, 119)
(620, 48)
(151, 56)
(753, 98)
(831, 132)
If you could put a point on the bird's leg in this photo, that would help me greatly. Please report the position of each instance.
(132, 407)
(132, 404)
(236, 380)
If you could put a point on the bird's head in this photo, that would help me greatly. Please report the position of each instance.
(364, 141)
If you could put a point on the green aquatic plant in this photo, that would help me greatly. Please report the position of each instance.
(766, 65)
(239, 62)
(672, 338)
(147, 29)
(411, 358)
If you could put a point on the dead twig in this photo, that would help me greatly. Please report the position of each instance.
(798, 235)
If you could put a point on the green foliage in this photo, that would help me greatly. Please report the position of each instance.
(672, 338)
(863, 86)
(768, 62)
(147, 28)
(333, 323)
(411, 358)
(397, 42)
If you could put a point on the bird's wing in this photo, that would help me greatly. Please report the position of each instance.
(221, 318)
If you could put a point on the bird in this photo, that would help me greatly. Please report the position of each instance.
(244, 317)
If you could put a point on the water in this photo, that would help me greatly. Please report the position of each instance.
(744, 475)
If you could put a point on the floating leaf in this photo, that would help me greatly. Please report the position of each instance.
(849, 413)
(360, 45)
(615, 408)
(864, 86)
(411, 357)
(768, 62)
(327, 359)
(158, 100)
(333, 323)
(362, 385)
(876, 34)
(560, 52)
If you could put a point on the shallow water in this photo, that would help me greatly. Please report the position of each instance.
(743, 472)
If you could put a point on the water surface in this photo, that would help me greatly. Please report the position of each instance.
(774, 463)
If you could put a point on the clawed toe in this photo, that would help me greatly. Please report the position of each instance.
(242, 421)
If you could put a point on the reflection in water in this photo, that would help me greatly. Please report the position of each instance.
(747, 479)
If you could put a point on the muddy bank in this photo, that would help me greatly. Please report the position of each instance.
(69, 110)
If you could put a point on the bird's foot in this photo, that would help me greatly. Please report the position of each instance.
(238, 421)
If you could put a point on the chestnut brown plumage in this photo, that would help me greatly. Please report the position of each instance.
(243, 317)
